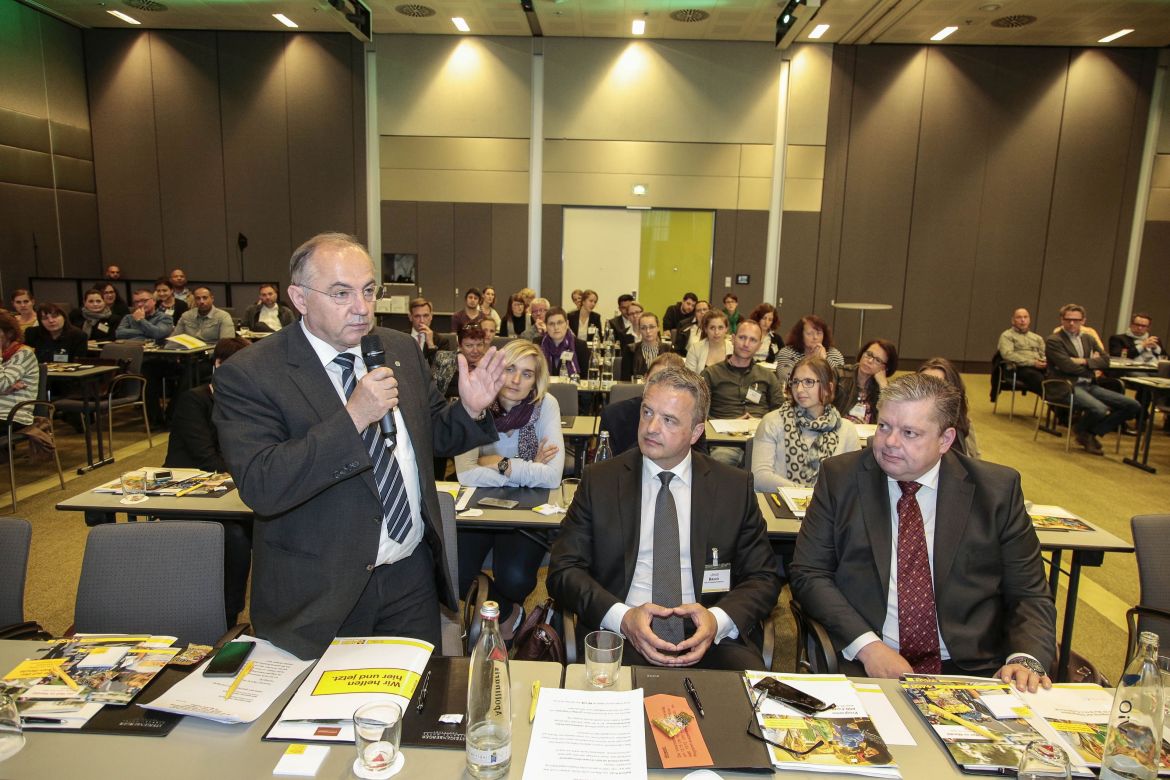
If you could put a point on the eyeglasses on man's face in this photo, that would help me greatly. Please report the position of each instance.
(346, 296)
(870, 356)
(806, 383)
(1072, 319)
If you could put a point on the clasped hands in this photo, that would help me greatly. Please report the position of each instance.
(881, 660)
(639, 632)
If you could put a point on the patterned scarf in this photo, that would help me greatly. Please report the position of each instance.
(90, 319)
(649, 352)
(522, 416)
(553, 351)
(803, 458)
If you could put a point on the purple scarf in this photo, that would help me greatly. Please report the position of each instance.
(521, 416)
(552, 353)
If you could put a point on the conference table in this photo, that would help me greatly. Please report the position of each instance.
(1149, 389)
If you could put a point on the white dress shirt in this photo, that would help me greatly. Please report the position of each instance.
(642, 586)
(389, 551)
(270, 316)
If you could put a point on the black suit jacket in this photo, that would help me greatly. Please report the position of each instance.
(194, 443)
(304, 470)
(592, 563)
(574, 319)
(621, 420)
(990, 592)
(1059, 351)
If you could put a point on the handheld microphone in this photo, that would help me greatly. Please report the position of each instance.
(374, 355)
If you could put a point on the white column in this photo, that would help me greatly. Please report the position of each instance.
(373, 164)
(536, 170)
(776, 203)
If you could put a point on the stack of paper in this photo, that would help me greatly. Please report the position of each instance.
(797, 499)
(1056, 518)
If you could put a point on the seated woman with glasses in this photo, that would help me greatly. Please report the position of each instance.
(859, 385)
(941, 368)
(792, 441)
(809, 337)
(530, 452)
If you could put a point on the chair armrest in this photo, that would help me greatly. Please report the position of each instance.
(35, 402)
(768, 641)
(811, 635)
(119, 380)
(569, 635)
(477, 594)
(29, 629)
(1131, 619)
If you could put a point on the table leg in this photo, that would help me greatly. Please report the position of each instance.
(1070, 612)
(1054, 573)
(1145, 433)
(91, 398)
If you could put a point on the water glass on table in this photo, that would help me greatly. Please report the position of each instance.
(603, 658)
(133, 487)
(569, 487)
(377, 734)
(1043, 760)
(11, 734)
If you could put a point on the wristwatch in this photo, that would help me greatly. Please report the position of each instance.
(1028, 663)
(502, 466)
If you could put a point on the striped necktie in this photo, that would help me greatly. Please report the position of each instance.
(387, 474)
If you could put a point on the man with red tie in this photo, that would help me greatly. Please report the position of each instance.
(919, 559)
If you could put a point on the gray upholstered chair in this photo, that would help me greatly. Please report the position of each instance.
(625, 390)
(126, 391)
(15, 537)
(1151, 541)
(566, 396)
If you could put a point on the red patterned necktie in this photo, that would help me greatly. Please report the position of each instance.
(917, 616)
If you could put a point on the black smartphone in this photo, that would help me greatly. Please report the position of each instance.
(498, 503)
(786, 694)
(229, 659)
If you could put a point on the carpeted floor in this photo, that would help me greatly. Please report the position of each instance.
(1101, 489)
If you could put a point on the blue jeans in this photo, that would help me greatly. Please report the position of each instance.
(1104, 410)
(731, 456)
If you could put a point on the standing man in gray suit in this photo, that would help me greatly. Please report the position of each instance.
(348, 538)
(918, 559)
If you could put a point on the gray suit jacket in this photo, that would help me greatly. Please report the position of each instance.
(303, 469)
(1059, 351)
(593, 560)
(990, 592)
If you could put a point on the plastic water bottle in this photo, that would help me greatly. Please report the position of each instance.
(604, 451)
(594, 376)
(1134, 742)
(489, 701)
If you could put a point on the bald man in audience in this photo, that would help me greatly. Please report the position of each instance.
(1023, 349)
(205, 322)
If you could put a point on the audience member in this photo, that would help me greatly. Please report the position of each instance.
(1076, 357)
(1023, 350)
(516, 319)
(538, 310)
(941, 368)
(715, 346)
(766, 315)
(145, 322)
(114, 300)
(179, 285)
(810, 336)
(1137, 343)
(529, 452)
(646, 349)
(561, 348)
(113, 273)
(621, 325)
(584, 322)
(473, 345)
(470, 312)
(528, 294)
(669, 497)
(677, 312)
(859, 385)
(94, 318)
(731, 309)
(194, 444)
(634, 311)
(741, 389)
(956, 584)
(55, 340)
(620, 418)
(488, 326)
(20, 374)
(575, 297)
(421, 315)
(24, 308)
(268, 314)
(205, 322)
(165, 300)
(793, 441)
(690, 329)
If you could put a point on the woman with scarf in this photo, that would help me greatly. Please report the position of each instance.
(792, 441)
(95, 319)
(559, 346)
(530, 452)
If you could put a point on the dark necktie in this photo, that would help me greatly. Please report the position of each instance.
(667, 580)
(387, 474)
(917, 615)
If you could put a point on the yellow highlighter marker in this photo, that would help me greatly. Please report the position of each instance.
(239, 679)
(937, 710)
(535, 695)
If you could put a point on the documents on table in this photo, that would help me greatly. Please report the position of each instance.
(797, 499)
(352, 672)
(271, 672)
(865, 431)
(881, 712)
(737, 427)
(1055, 518)
(587, 735)
(842, 739)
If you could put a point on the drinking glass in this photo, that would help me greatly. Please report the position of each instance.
(133, 487)
(377, 731)
(11, 735)
(569, 487)
(1044, 761)
(603, 658)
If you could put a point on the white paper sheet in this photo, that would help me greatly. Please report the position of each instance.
(736, 426)
(884, 716)
(587, 735)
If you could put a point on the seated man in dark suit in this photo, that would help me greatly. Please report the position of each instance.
(1137, 343)
(667, 546)
(917, 559)
(621, 417)
(268, 314)
(194, 444)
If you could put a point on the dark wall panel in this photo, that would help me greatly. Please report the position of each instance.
(255, 153)
(722, 256)
(751, 242)
(509, 263)
(320, 136)
(400, 226)
(952, 155)
(473, 248)
(190, 154)
(436, 254)
(1154, 279)
(65, 75)
(1023, 124)
(125, 153)
(357, 68)
(798, 264)
(28, 235)
(828, 259)
(552, 241)
(79, 233)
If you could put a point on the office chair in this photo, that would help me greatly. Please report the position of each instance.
(15, 537)
(1151, 541)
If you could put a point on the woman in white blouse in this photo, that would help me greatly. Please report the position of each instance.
(715, 346)
(793, 441)
(530, 452)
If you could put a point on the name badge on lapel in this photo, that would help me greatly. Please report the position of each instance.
(754, 395)
(716, 577)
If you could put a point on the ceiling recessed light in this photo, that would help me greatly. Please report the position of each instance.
(1114, 36)
(460, 24)
(285, 20)
(638, 27)
(124, 17)
(943, 33)
(818, 31)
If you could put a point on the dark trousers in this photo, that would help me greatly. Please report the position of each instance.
(949, 667)
(237, 562)
(1029, 378)
(515, 561)
(399, 600)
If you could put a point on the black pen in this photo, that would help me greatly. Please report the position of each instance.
(41, 721)
(422, 697)
(690, 686)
